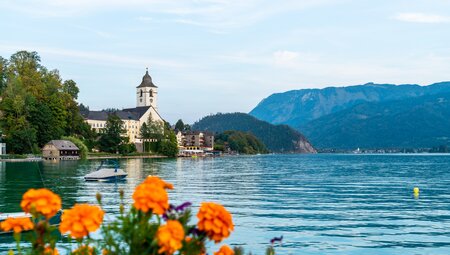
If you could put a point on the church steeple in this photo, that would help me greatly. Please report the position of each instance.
(147, 81)
(147, 92)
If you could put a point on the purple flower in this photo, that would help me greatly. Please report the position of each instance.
(195, 231)
(183, 206)
(276, 239)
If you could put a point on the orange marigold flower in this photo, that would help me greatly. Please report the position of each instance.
(158, 181)
(16, 224)
(50, 251)
(224, 250)
(83, 250)
(42, 201)
(169, 237)
(81, 219)
(151, 196)
(215, 220)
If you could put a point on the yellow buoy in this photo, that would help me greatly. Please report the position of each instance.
(416, 191)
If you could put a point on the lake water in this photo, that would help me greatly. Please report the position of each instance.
(321, 204)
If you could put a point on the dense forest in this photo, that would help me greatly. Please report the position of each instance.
(277, 138)
(417, 122)
(37, 105)
(240, 142)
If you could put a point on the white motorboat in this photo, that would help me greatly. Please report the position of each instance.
(106, 174)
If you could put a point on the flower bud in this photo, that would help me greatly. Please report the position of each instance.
(99, 197)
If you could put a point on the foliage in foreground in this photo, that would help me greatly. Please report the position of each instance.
(151, 226)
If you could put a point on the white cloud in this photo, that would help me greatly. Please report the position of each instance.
(214, 15)
(422, 18)
(285, 57)
(101, 58)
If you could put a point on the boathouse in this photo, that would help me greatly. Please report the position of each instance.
(60, 150)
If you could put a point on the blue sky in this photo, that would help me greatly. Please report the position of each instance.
(211, 56)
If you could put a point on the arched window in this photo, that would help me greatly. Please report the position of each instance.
(151, 93)
(142, 92)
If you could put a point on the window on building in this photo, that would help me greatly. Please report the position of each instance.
(151, 93)
(141, 93)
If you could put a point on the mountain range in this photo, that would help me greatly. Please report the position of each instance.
(366, 116)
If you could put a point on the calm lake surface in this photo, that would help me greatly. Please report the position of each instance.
(321, 204)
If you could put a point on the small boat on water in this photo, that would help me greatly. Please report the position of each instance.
(106, 174)
(54, 221)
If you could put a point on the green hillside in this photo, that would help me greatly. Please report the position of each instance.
(416, 122)
(277, 138)
(241, 142)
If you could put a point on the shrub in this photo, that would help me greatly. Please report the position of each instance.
(83, 148)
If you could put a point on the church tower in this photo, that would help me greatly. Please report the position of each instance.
(147, 92)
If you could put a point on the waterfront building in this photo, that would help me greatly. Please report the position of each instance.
(60, 150)
(195, 140)
(133, 118)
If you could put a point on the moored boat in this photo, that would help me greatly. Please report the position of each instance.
(106, 174)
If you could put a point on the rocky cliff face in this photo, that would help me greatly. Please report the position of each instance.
(304, 146)
(298, 107)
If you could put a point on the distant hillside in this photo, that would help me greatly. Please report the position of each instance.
(277, 138)
(415, 122)
(298, 107)
(242, 142)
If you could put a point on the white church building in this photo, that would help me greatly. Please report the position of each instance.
(133, 118)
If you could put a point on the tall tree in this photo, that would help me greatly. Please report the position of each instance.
(168, 145)
(179, 126)
(111, 138)
(20, 135)
(144, 134)
(3, 73)
(37, 105)
(70, 87)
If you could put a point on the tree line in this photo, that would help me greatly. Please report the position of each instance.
(37, 105)
(241, 142)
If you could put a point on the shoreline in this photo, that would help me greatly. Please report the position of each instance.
(17, 160)
(21, 160)
(124, 157)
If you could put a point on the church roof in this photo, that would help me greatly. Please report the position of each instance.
(125, 114)
(147, 81)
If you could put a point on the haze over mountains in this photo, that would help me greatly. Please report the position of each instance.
(366, 116)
